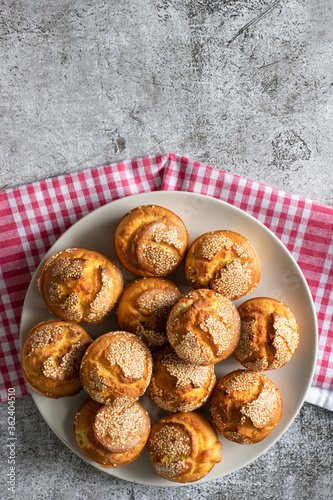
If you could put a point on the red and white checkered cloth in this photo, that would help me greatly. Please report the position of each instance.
(32, 217)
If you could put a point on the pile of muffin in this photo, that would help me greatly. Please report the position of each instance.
(166, 346)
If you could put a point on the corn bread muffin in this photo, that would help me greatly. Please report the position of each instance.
(151, 241)
(144, 307)
(51, 358)
(177, 385)
(203, 327)
(116, 368)
(245, 406)
(269, 334)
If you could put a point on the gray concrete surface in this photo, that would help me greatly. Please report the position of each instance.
(242, 85)
(297, 467)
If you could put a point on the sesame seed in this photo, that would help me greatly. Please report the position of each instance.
(129, 356)
(157, 301)
(120, 428)
(55, 350)
(71, 307)
(233, 279)
(190, 348)
(263, 408)
(244, 396)
(285, 340)
(223, 261)
(68, 270)
(246, 346)
(171, 439)
(54, 257)
(242, 381)
(81, 289)
(218, 332)
(55, 291)
(66, 366)
(161, 259)
(117, 368)
(100, 305)
(43, 336)
(203, 327)
(171, 469)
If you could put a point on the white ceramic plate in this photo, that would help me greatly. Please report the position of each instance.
(281, 278)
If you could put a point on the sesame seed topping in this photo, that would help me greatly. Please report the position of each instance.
(43, 336)
(68, 270)
(56, 291)
(233, 279)
(81, 289)
(262, 409)
(161, 259)
(186, 373)
(53, 350)
(96, 384)
(54, 257)
(203, 327)
(246, 347)
(172, 440)
(151, 338)
(66, 366)
(190, 348)
(243, 381)
(157, 301)
(213, 244)
(104, 297)
(223, 261)
(218, 333)
(70, 306)
(267, 341)
(120, 428)
(168, 235)
(77, 418)
(129, 356)
(171, 469)
(285, 340)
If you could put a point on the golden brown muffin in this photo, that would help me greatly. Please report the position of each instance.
(116, 368)
(151, 241)
(245, 406)
(80, 285)
(183, 447)
(177, 385)
(224, 261)
(144, 307)
(203, 327)
(51, 357)
(111, 436)
(269, 334)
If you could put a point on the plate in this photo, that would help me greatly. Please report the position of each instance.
(281, 279)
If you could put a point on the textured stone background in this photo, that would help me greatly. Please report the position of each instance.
(242, 85)
(84, 83)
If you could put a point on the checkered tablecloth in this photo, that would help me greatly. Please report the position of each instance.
(35, 215)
